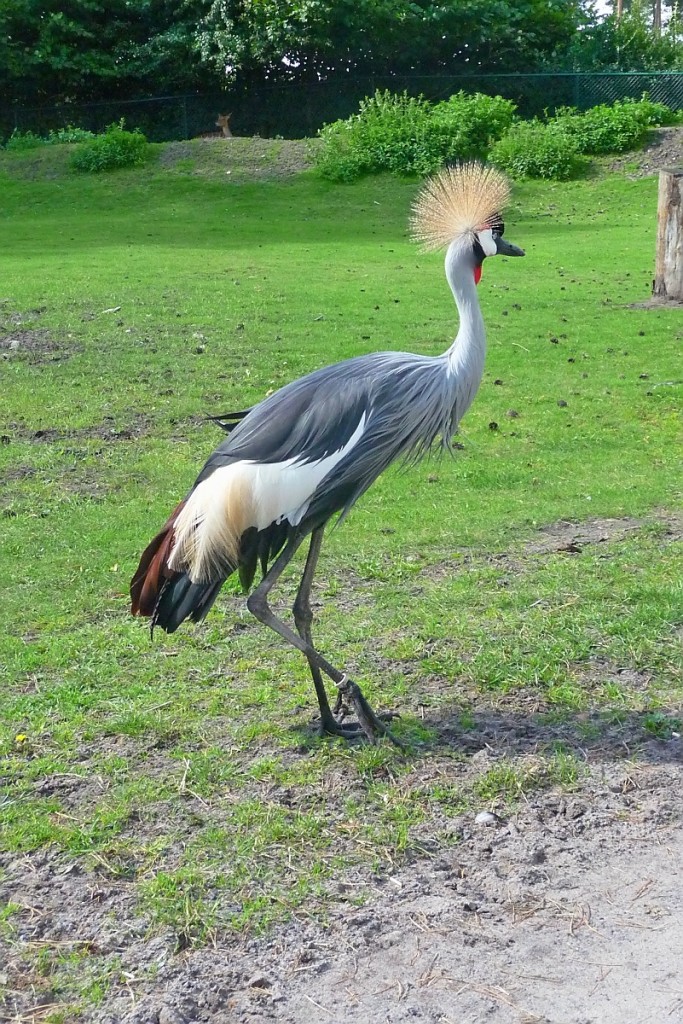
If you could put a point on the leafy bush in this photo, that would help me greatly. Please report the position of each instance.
(69, 134)
(466, 126)
(603, 129)
(385, 134)
(20, 140)
(408, 135)
(611, 128)
(651, 113)
(114, 148)
(531, 149)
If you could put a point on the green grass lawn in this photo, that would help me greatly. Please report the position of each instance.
(142, 301)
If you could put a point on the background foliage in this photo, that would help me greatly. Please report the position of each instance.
(408, 135)
(86, 50)
(405, 135)
(114, 148)
(628, 43)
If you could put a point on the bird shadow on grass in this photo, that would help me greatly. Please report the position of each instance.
(654, 737)
(595, 735)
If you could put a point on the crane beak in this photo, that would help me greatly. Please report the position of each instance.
(504, 248)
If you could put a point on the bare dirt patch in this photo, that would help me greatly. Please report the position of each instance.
(571, 537)
(536, 918)
(567, 911)
(34, 346)
(19, 339)
(564, 537)
(78, 448)
(664, 148)
(108, 430)
(240, 159)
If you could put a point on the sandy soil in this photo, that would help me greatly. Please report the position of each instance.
(568, 912)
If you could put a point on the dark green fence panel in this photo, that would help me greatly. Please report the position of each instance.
(296, 110)
(662, 87)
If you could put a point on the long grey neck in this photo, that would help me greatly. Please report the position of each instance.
(465, 357)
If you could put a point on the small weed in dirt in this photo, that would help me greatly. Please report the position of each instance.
(662, 726)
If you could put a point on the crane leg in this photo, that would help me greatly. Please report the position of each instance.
(257, 603)
(303, 618)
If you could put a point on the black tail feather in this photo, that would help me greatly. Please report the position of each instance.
(260, 546)
(227, 421)
(181, 599)
(248, 557)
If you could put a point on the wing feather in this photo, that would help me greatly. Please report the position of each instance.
(383, 406)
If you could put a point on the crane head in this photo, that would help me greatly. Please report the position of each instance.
(489, 241)
(463, 204)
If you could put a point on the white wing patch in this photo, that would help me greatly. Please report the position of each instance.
(283, 490)
(244, 494)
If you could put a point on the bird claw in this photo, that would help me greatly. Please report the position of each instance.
(368, 723)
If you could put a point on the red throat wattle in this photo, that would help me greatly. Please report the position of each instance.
(477, 274)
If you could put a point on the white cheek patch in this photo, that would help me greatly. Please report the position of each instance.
(487, 242)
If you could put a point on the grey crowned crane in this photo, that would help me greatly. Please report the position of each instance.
(311, 449)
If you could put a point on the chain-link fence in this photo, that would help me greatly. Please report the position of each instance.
(298, 110)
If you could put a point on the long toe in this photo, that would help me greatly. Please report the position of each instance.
(348, 730)
(372, 725)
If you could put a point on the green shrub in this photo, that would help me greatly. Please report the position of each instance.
(114, 148)
(652, 114)
(612, 128)
(69, 134)
(408, 135)
(20, 140)
(602, 129)
(531, 149)
(469, 124)
(385, 134)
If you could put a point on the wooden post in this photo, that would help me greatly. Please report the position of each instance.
(668, 282)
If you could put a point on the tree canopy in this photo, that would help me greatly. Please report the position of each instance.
(83, 50)
(628, 42)
(310, 38)
(56, 50)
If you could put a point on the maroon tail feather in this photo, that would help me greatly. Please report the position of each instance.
(153, 570)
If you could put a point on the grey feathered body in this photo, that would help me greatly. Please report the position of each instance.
(407, 403)
(306, 453)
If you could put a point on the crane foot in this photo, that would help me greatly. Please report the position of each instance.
(367, 723)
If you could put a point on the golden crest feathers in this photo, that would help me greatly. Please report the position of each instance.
(455, 201)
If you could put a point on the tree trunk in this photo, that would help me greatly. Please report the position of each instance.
(657, 18)
(668, 282)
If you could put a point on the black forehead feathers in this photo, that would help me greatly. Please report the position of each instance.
(496, 224)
